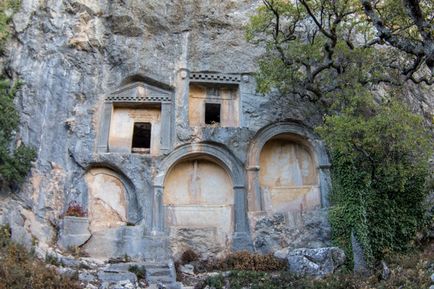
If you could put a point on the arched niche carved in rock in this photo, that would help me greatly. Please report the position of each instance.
(198, 197)
(213, 158)
(107, 202)
(296, 139)
(288, 175)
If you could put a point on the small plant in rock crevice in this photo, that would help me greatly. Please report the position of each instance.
(75, 210)
(140, 271)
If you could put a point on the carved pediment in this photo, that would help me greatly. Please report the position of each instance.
(141, 93)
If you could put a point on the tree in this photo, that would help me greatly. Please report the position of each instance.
(323, 50)
(15, 161)
(408, 27)
(335, 53)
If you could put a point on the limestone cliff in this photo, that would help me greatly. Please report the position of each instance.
(80, 59)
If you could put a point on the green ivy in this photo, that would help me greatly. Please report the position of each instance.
(380, 171)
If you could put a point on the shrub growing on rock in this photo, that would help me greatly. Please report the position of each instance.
(15, 160)
(75, 210)
(380, 167)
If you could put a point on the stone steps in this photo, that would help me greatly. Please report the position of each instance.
(162, 273)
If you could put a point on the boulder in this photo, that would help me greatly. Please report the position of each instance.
(318, 262)
(187, 269)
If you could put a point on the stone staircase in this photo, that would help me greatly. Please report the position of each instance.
(162, 273)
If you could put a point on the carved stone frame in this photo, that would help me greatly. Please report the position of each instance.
(255, 198)
(224, 158)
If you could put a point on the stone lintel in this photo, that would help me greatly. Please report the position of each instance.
(205, 77)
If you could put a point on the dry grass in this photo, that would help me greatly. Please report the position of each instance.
(19, 269)
(408, 271)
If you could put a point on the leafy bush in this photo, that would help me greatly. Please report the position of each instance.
(75, 210)
(6, 9)
(380, 168)
(15, 161)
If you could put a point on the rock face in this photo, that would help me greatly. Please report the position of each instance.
(315, 262)
(292, 230)
(146, 114)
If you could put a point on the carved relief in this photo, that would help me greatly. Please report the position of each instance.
(107, 200)
(199, 194)
(288, 177)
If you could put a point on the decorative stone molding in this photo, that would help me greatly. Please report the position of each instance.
(215, 78)
(219, 154)
(140, 92)
(268, 132)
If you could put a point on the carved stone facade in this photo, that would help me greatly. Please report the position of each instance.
(202, 194)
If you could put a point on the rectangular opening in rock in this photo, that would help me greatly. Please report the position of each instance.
(212, 113)
(141, 137)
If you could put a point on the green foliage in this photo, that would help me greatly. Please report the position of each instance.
(412, 270)
(14, 164)
(7, 8)
(328, 52)
(379, 174)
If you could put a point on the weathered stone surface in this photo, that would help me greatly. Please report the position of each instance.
(118, 243)
(187, 269)
(72, 54)
(86, 277)
(385, 273)
(360, 264)
(315, 262)
(105, 276)
(292, 230)
(74, 233)
(201, 240)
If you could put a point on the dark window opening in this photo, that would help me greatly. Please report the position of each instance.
(212, 113)
(141, 137)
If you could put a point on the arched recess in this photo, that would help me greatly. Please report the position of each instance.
(112, 200)
(304, 178)
(211, 158)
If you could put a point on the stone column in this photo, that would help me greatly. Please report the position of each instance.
(157, 211)
(181, 97)
(104, 128)
(241, 239)
(166, 123)
(254, 198)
